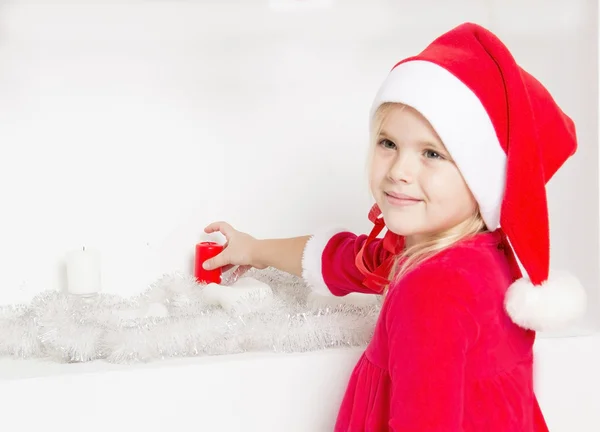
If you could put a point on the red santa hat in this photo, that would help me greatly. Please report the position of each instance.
(508, 137)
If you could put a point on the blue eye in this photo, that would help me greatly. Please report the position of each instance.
(386, 143)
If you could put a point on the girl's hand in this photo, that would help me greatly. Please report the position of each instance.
(240, 248)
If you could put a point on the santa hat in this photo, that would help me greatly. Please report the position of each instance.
(508, 137)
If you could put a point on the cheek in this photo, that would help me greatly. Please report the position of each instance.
(377, 172)
(435, 185)
(449, 190)
(463, 201)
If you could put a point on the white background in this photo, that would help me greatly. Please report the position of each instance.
(128, 126)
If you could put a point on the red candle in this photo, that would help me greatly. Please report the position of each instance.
(204, 251)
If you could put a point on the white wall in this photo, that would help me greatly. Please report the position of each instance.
(128, 126)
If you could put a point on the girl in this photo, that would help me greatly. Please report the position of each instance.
(463, 143)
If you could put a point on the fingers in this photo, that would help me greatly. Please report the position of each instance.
(221, 259)
(220, 226)
(217, 261)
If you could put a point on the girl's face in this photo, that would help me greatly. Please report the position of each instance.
(413, 179)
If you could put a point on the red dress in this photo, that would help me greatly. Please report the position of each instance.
(444, 356)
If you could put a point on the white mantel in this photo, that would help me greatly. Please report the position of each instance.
(257, 392)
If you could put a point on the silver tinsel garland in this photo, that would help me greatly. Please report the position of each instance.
(174, 319)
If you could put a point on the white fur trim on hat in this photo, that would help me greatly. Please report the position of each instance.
(548, 307)
(462, 123)
(312, 259)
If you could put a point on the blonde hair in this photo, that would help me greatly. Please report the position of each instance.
(375, 130)
(416, 254)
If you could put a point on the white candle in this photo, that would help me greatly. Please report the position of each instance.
(83, 272)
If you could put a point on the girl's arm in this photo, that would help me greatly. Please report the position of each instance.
(430, 328)
(329, 262)
(326, 261)
(283, 254)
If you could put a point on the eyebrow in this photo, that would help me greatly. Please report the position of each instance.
(432, 144)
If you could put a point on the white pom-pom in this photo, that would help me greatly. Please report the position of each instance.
(548, 307)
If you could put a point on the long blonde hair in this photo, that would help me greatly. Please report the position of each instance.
(416, 254)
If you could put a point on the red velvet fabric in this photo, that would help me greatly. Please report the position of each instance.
(445, 357)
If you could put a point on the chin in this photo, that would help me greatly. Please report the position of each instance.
(402, 231)
(402, 227)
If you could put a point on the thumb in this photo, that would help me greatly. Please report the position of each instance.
(217, 261)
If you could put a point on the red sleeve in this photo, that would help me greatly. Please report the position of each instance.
(430, 328)
(328, 263)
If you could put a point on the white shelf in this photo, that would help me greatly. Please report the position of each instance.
(252, 392)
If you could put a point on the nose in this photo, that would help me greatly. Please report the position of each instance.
(403, 169)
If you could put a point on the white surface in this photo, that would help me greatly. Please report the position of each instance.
(262, 393)
(568, 382)
(259, 392)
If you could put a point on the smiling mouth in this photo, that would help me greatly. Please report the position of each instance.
(401, 199)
